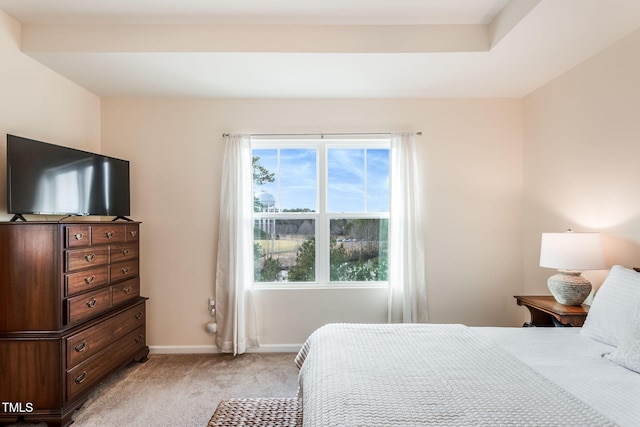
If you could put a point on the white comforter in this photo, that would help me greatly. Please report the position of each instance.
(414, 375)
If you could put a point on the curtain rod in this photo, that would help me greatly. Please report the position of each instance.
(321, 134)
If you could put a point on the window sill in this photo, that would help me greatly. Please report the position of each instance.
(315, 286)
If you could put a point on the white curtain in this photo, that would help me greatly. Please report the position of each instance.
(407, 284)
(235, 311)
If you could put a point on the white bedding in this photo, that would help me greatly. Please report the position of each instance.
(575, 363)
(410, 375)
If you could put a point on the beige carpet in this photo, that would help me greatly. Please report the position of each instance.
(184, 390)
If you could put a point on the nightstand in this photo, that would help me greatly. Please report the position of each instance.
(546, 311)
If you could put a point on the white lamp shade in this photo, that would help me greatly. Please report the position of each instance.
(572, 251)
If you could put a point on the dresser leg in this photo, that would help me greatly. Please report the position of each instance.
(142, 356)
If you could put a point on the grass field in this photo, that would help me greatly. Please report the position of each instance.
(280, 246)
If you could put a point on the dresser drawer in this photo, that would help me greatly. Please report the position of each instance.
(88, 373)
(125, 291)
(101, 234)
(88, 305)
(86, 280)
(79, 259)
(121, 253)
(77, 236)
(123, 271)
(86, 343)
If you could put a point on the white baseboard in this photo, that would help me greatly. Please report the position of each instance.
(183, 349)
(212, 349)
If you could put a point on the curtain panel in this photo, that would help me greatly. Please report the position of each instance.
(235, 313)
(407, 301)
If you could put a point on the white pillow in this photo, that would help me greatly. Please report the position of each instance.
(613, 308)
(628, 352)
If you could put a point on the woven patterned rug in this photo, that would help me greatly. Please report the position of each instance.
(280, 412)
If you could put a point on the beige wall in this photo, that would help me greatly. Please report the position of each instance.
(497, 173)
(471, 149)
(581, 154)
(472, 155)
(37, 103)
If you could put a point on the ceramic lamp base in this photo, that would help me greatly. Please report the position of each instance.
(569, 287)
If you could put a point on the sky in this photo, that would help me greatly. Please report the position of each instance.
(358, 178)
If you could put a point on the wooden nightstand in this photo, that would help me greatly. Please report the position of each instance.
(546, 311)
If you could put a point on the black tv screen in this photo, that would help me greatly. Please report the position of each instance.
(44, 178)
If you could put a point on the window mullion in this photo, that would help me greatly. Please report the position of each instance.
(322, 226)
(278, 194)
(366, 184)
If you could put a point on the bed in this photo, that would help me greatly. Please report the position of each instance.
(429, 374)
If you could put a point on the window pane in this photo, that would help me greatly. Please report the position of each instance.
(378, 180)
(356, 176)
(346, 180)
(284, 250)
(298, 180)
(285, 180)
(358, 250)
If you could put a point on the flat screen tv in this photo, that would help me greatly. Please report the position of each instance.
(44, 178)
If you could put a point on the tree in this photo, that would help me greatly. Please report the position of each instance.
(338, 261)
(270, 270)
(257, 264)
(306, 228)
(261, 174)
(304, 269)
(382, 268)
(342, 267)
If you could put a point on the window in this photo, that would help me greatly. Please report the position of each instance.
(321, 211)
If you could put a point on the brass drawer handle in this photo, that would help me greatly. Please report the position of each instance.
(78, 236)
(89, 280)
(80, 378)
(127, 290)
(125, 252)
(92, 303)
(125, 270)
(133, 233)
(139, 338)
(90, 258)
(80, 347)
(109, 234)
(139, 316)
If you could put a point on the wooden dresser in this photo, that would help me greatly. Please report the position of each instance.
(70, 314)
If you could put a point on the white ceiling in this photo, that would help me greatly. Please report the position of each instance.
(318, 48)
(382, 12)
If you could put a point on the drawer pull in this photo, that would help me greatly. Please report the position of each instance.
(80, 347)
(127, 290)
(92, 303)
(133, 233)
(125, 252)
(90, 258)
(139, 338)
(89, 280)
(80, 378)
(109, 234)
(78, 236)
(125, 270)
(139, 315)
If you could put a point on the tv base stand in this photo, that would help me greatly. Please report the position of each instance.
(124, 218)
(17, 217)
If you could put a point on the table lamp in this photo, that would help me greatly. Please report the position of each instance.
(570, 253)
